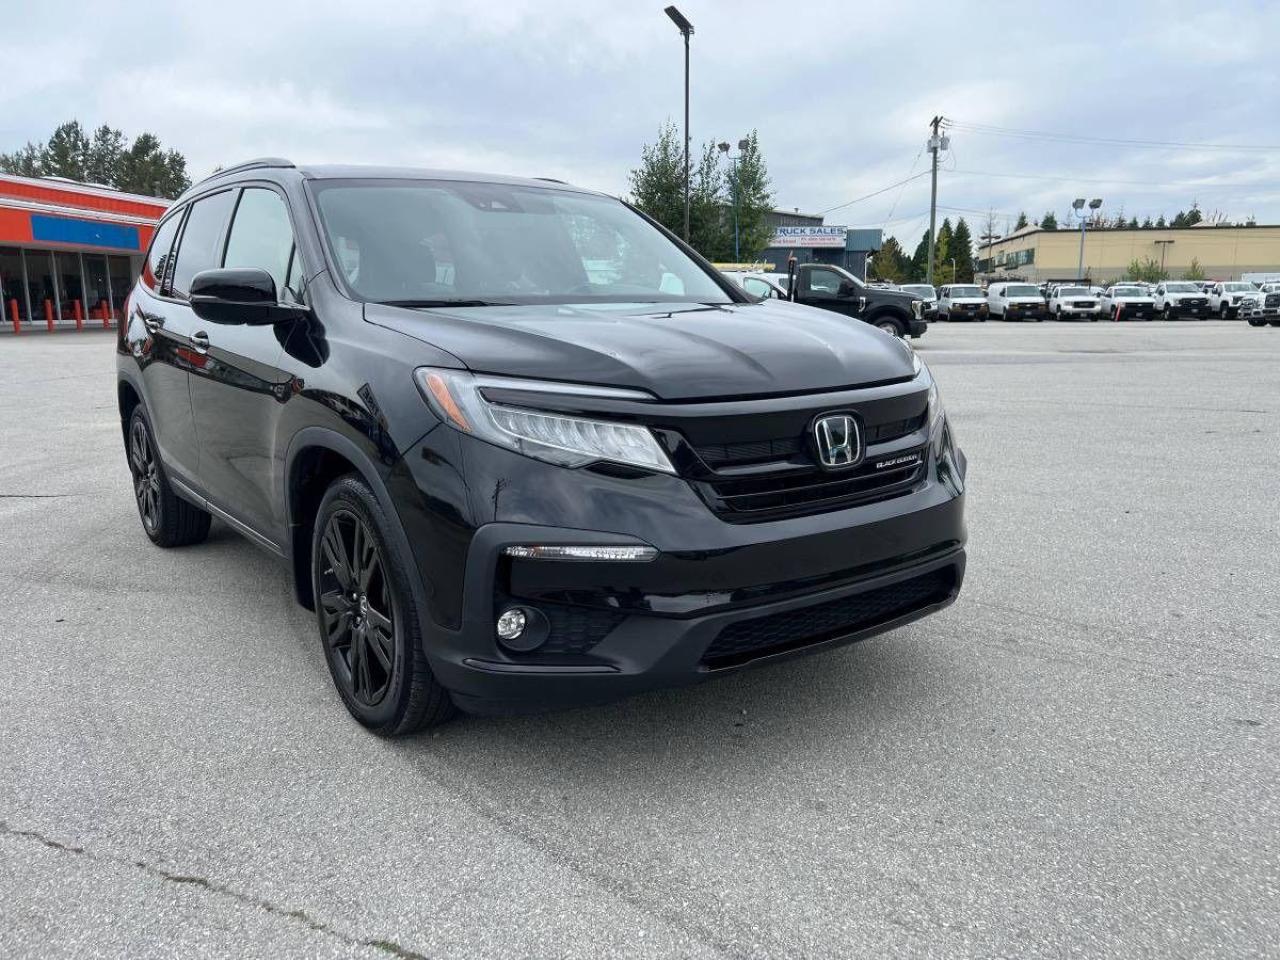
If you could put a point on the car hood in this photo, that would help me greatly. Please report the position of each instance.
(676, 351)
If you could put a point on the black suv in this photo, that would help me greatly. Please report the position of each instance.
(519, 445)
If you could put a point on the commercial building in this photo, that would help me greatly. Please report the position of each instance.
(808, 239)
(69, 252)
(1222, 253)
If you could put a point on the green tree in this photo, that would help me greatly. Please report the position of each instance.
(1160, 224)
(1194, 271)
(751, 194)
(143, 167)
(942, 253)
(1147, 270)
(1049, 221)
(920, 259)
(1133, 223)
(1193, 216)
(1022, 222)
(1147, 224)
(67, 152)
(891, 262)
(1179, 220)
(961, 248)
(710, 223)
(657, 185)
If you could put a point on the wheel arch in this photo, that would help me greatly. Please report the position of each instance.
(315, 458)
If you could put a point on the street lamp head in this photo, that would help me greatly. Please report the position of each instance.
(743, 145)
(1095, 204)
(683, 25)
(1077, 204)
(722, 147)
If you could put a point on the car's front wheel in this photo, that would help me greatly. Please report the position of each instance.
(890, 325)
(166, 518)
(368, 619)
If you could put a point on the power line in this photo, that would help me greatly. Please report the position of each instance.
(841, 206)
(1199, 184)
(994, 131)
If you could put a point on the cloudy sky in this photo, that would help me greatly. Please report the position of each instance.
(841, 93)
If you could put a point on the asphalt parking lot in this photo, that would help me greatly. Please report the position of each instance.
(1079, 758)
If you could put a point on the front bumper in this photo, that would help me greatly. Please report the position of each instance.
(917, 326)
(1187, 310)
(719, 597)
(965, 312)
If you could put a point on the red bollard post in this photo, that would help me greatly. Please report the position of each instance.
(78, 314)
(48, 314)
(105, 314)
(13, 315)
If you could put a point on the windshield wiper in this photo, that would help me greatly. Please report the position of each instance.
(445, 303)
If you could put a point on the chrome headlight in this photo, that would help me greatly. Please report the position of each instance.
(934, 405)
(456, 397)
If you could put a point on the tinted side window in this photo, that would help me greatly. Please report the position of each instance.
(201, 245)
(261, 235)
(824, 284)
(158, 259)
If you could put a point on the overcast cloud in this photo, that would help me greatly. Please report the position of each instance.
(841, 93)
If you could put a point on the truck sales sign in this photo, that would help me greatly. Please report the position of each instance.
(808, 237)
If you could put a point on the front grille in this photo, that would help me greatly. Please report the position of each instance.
(746, 640)
(805, 488)
(1083, 303)
(1273, 299)
(785, 448)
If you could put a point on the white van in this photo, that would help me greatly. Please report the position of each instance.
(1015, 301)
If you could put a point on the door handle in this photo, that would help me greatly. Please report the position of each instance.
(200, 341)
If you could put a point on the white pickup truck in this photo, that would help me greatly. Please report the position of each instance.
(1224, 297)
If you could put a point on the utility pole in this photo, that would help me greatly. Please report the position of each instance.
(936, 143)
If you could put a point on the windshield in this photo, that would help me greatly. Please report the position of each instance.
(439, 243)
(1021, 290)
(1073, 291)
(1182, 288)
(921, 290)
(1127, 292)
(957, 292)
(1238, 287)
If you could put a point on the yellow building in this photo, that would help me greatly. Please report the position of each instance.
(1223, 253)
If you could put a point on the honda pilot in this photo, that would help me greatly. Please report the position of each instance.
(521, 447)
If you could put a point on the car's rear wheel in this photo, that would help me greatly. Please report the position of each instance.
(368, 620)
(167, 519)
(1259, 322)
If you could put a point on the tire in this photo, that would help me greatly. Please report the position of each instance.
(167, 519)
(1259, 322)
(1222, 311)
(369, 624)
(890, 325)
(1168, 314)
(1274, 323)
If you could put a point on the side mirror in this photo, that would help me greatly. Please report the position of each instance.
(239, 295)
(846, 289)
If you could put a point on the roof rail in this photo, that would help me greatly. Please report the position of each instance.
(256, 164)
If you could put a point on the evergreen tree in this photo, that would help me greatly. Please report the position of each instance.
(891, 262)
(1179, 220)
(942, 252)
(1133, 223)
(961, 248)
(1147, 224)
(1022, 222)
(710, 223)
(657, 185)
(1193, 216)
(920, 260)
(1049, 221)
(750, 192)
(144, 167)
(1160, 224)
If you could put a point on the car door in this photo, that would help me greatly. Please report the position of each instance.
(157, 338)
(236, 397)
(818, 285)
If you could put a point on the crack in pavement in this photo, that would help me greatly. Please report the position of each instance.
(389, 947)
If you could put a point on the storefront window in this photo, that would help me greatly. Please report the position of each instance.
(70, 287)
(122, 277)
(40, 286)
(97, 293)
(14, 295)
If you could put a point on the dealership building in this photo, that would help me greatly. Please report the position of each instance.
(1222, 253)
(69, 252)
(805, 237)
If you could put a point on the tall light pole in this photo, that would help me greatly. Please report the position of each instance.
(1078, 205)
(733, 185)
(686, 30)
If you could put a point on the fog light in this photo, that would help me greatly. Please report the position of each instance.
(511, 624)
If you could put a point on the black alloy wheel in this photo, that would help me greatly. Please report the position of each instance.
(357, 610)
(146, 476)
(368, 615)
